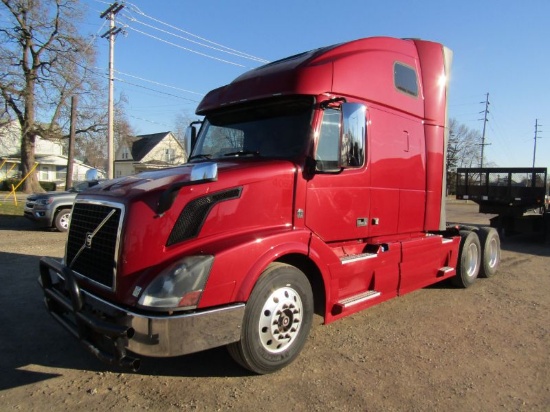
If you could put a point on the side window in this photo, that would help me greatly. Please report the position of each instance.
(405, 79)
(329, 136)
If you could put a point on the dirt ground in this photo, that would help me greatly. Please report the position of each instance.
(485, 348)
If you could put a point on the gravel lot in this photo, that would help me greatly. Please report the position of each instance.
(486, 348)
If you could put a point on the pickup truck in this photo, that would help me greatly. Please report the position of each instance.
(53, 209)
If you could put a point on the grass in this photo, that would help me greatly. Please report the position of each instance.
(8, 207)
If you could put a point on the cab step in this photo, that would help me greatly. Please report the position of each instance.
(355, 258)
(446, 271)
(355, 300)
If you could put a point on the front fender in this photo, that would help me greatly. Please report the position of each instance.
(238, 266)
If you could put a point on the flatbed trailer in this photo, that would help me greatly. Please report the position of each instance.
(516, 195)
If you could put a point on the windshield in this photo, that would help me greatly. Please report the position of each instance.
(278, 128)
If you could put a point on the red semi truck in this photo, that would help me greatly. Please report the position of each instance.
(315, 185)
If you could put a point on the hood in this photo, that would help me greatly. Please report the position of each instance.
(204, 216)
(129, 187)
(44, 195)
(246, 197)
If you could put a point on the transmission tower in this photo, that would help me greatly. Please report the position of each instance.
(485, 120)
(537, 125)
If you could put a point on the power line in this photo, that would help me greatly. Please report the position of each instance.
(133, 7)
(158, 84)
(148, 121)
(496, 128)
(222, 50)
(156, 91)
(190, 37)
(184, 48)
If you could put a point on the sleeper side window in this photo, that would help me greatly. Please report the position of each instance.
(405, 79)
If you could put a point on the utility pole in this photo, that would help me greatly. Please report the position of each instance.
(110, 14)
(72, 133)
(485, 120)
(536, 137)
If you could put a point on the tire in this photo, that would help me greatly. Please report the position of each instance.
(469, 260)
(62, 220)
(277, 320)
(490, 251)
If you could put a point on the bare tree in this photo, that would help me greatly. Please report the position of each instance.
(122, 127)
(91, 146)
(44, 62)
(463, 150)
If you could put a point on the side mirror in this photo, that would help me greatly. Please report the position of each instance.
(92, 174)
(190, 137)
(352, 138)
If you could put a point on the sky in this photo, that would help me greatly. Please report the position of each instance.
(172, 52)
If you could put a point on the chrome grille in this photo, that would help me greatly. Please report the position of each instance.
(94, 255)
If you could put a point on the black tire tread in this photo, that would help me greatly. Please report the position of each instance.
(485, 234)
(57, 218)
(461, 280)
(243, 351)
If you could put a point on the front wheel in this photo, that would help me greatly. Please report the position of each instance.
(277, 320)
(469, 259)
(62, 220)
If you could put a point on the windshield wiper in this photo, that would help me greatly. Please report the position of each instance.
(243, 153)
(200, 156)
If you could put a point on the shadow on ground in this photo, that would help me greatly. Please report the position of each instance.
(30, 336)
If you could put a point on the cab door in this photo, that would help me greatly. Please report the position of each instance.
(337, 200)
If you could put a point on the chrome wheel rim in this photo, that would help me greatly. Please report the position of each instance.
(472, 255)
(493, 253)
(65, 220)
(280, 320)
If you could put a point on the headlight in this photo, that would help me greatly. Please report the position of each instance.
(180, 285)
(44, 202)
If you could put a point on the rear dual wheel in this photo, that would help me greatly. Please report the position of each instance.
(479, 254)
(469, 260)
(277, 320)
(490, 251)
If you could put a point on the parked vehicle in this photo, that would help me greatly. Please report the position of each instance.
(53, 209)
(315, 183)
(516, 195)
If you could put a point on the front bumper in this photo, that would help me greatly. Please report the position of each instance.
(42, 217)
(109, 331)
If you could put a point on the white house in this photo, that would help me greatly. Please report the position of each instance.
(51, 163)
(148, 152)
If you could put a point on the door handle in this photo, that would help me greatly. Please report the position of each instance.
(362, 221)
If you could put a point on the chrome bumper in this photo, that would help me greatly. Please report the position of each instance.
(107, 330)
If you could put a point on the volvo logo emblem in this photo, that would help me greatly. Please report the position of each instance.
(89, 237)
